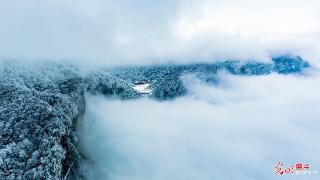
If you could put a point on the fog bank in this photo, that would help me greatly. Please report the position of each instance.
(238, 129)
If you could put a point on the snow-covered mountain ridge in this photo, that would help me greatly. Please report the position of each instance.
(41, 105)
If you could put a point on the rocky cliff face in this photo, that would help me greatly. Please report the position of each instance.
(42, 103)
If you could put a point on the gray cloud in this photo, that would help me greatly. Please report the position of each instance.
(105, 31)
(138, 32)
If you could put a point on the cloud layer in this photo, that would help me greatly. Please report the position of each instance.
(238, 130)
(138, 32)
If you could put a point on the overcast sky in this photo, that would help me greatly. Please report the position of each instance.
(142, 31)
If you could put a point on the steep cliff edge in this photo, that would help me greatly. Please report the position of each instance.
(40, 105)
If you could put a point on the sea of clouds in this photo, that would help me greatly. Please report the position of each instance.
(238, 129)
